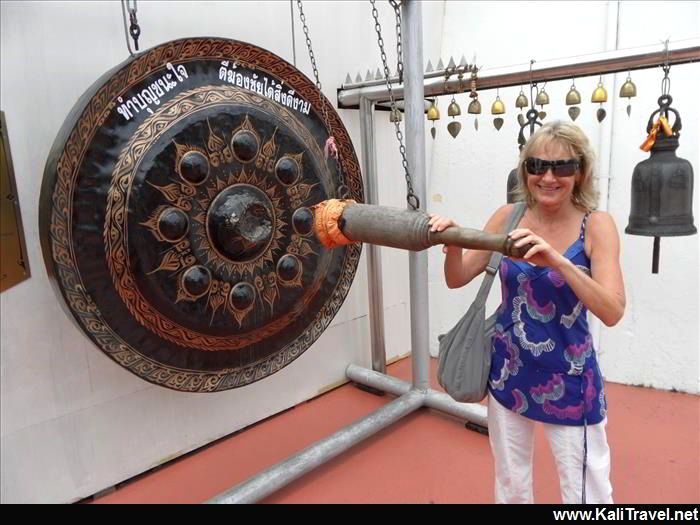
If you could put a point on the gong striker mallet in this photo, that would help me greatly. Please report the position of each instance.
(344, 221)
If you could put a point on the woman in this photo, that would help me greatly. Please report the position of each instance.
(544, 367)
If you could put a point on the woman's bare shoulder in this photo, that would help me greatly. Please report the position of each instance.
(601, 222)
(601, 229)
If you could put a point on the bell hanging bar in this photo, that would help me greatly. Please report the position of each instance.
(618, 61)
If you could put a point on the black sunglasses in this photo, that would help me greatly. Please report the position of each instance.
(560, 168)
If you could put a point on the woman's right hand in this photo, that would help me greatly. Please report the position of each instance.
(439, 223)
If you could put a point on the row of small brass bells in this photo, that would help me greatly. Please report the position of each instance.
(498, 108)
(573, 98)
(433, 115)
(453, 110)
(628, 90)
(541, 100)
(600, 95)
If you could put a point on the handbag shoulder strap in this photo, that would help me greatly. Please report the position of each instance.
(495, 261)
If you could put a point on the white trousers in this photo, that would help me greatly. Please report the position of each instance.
(512, 445)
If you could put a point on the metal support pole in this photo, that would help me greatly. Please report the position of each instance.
(276, 477)
(374, 260)
(411, 18)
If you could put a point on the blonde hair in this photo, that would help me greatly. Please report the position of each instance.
(570, 137)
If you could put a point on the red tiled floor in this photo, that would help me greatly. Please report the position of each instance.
(430, 457)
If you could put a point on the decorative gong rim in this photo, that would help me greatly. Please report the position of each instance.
(176, 226)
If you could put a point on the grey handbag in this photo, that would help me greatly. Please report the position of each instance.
(464, 358)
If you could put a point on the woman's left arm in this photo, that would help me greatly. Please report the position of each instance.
(603, 293)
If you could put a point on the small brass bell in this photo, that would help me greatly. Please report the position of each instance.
(521, 102)
(453, 109)
(498, 107)
(628, 90)
(433, 115)
(475, 109)
(433, 112)
(395, 115)
(573, 97)
(542, 98)
(600, 94)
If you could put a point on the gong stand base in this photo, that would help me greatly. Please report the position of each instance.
(260, 486)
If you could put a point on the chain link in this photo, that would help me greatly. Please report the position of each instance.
(343, 190)
(666, 81)
(399, 51)
(134, 30)
(411, 197)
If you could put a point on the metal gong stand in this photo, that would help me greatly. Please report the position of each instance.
(416, 394)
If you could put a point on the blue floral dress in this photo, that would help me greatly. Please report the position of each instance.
(543, 365)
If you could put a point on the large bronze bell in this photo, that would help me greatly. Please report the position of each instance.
(662, 188)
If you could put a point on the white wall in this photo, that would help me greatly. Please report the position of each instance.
(656, 343)
(73, 421)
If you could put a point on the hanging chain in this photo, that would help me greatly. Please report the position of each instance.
(399, 51)
(134, 30)
(330, 147)
(533, 85)
(411, 197)
(308, 43)
(666, 81)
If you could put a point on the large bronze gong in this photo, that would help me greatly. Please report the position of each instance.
(176, 215)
